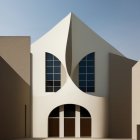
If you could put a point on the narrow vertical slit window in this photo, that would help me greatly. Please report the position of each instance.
(87, 73)
(25, 112)
(53, 73)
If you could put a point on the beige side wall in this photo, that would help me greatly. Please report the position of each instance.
(136, 100)
(120, 96)
(15, 51)
(14, 87)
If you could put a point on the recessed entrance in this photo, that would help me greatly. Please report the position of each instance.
(85, 127)
(53, 123)
(69, 121)
(53, 127)
(85, 123)
(69, 127)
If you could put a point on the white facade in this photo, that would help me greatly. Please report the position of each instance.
(83, 42)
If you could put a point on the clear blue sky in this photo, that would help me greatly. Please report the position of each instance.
(117, 21)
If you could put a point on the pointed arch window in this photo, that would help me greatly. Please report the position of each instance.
(87, 73)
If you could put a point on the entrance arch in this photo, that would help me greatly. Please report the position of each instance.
(69, 121)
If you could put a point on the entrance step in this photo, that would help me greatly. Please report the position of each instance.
(70, 139)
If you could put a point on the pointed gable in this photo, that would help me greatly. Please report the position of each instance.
(55, 40)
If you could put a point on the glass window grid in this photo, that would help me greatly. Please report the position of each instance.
(53, 66)
(85, 61)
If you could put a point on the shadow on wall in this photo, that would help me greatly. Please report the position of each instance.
(14, 104)
(120, 104)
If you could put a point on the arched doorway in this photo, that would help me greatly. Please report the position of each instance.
(69, 120)
(85, 123)
(75, 122)
(53, 123)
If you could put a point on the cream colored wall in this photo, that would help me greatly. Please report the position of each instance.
(84, 41)
(38, 49)
(99, 119)
(135, 99)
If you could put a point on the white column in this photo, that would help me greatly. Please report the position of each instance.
(61, 121)
(77, 121)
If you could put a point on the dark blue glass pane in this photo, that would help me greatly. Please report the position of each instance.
(90, 89)
(49, 63)
(49, 69)
(90, 56)
(56, 76)
(49, 77)
(49, 83)
(49, 89)
(83, 88)
(82, 83)
(56, 63)
(57, 83)
(90, 63)
(56, 58)
(82, 69)
(56, 69)
(56, 89)
(82, 76)
(82, 63)
(90, 76)
(90, 83)
(90, 69)
(49, 56)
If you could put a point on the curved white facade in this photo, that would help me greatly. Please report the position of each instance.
(83, 42)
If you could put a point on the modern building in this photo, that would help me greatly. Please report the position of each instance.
(71, 84)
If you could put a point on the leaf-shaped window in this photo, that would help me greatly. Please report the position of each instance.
(87, 73)
(53, 73)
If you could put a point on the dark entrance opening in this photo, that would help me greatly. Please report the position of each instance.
(69, 121)
(53, 127)
(85, 123)
(69, 127)
(53, 123)
(138, 132)
(85, 127)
